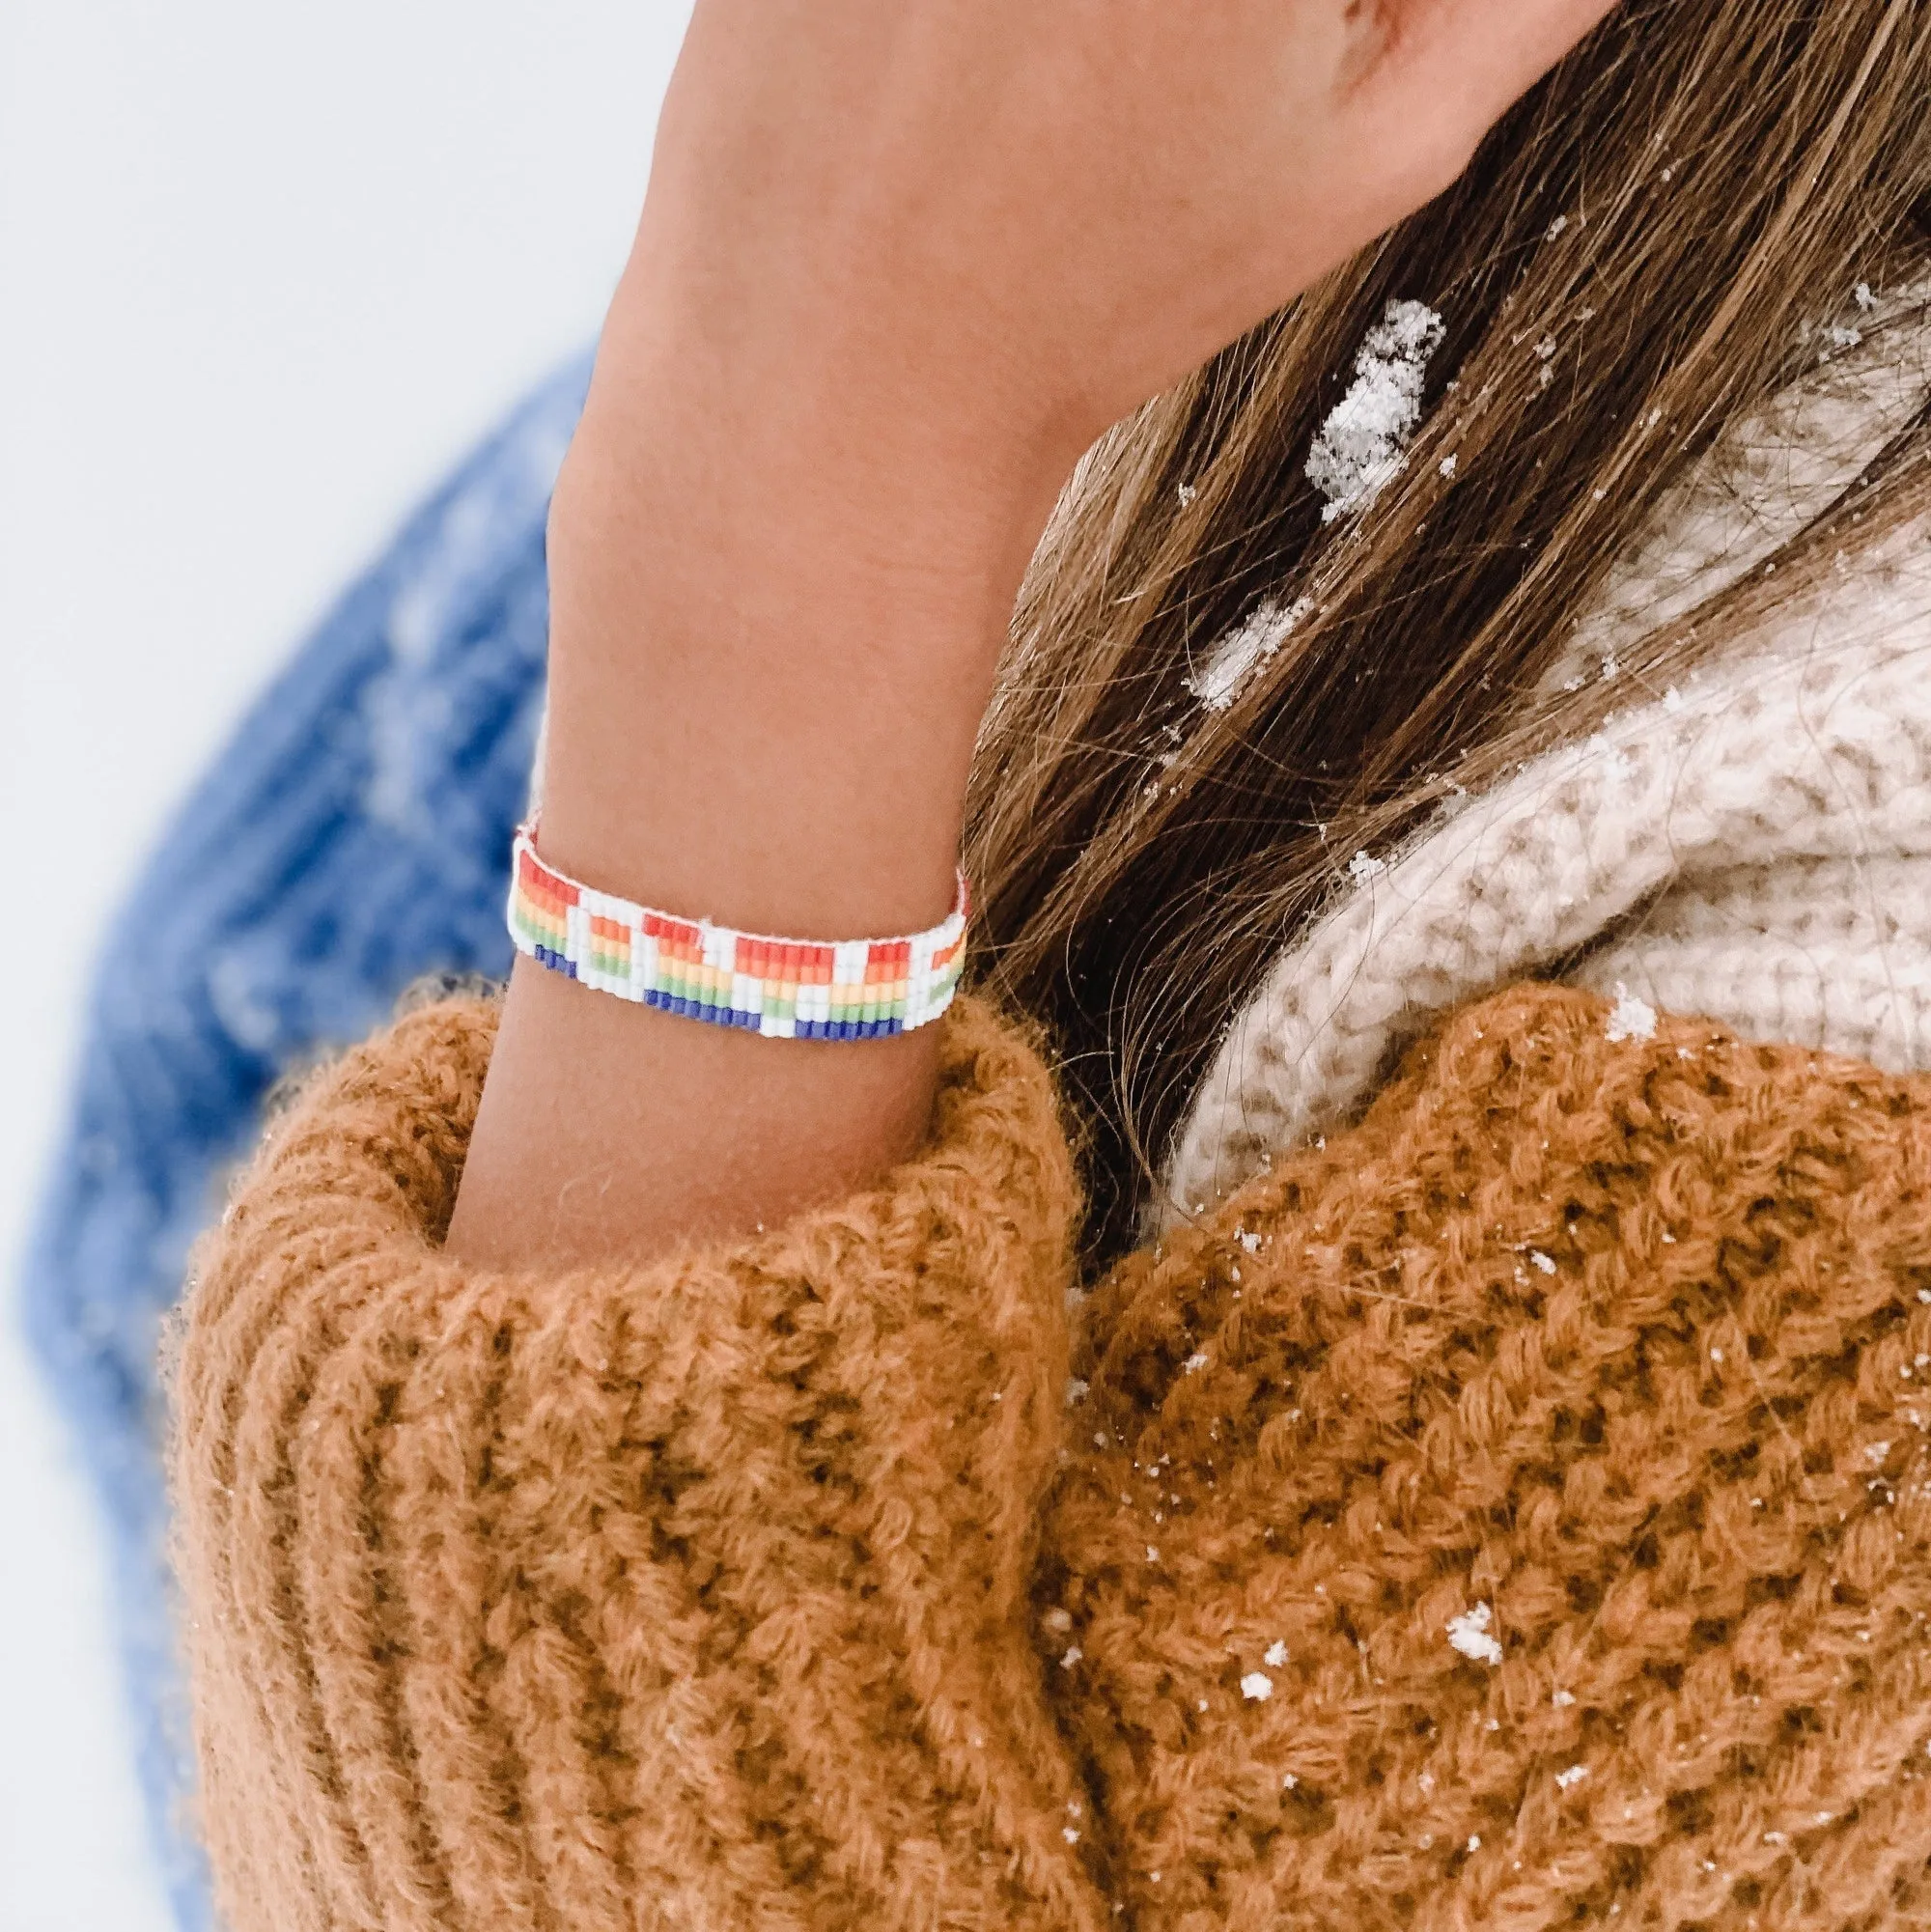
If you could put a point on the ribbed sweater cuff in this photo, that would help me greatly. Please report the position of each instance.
(682, 1595)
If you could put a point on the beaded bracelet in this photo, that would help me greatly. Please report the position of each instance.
(784, 989)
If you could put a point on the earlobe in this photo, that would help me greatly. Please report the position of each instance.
(1482, 54)
(1375, 28)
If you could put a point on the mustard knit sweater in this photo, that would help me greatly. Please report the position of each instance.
(1512, 1512)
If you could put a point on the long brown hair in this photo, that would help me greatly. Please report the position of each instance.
(1638, 255)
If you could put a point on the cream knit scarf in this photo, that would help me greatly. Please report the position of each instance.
(1754, 847)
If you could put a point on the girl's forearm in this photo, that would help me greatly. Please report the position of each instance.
(778, 603)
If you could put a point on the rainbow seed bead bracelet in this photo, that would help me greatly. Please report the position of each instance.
(783, 988)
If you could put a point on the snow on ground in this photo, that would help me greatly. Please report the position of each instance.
(267, 270)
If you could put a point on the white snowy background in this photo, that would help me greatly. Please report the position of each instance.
(265, 271)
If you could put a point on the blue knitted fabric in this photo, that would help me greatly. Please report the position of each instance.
(353, 835)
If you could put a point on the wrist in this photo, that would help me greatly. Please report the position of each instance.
(772, 638)
(767, 665)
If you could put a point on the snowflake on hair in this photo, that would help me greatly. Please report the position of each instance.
(1362, 445)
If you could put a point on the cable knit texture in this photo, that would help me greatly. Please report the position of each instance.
(1514, 1513)
(1681, 842)
(691, 1595)
(1748, 846)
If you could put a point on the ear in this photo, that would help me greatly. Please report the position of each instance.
(1373, 29)
(1481, 54)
